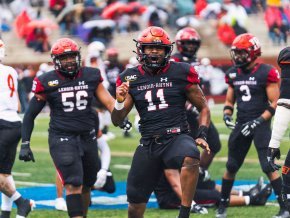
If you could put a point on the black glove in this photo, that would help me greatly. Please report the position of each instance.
(229, 121)
(273, 153)
(25, 153)
(249, 127)
(126, 125)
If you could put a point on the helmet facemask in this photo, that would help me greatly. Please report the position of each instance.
(153, 60)
(188, 48)
(68, 63)
(242, 58)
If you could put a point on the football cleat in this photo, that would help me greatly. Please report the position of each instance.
(261, 197)
(24, 208)
(60, 204)
(256, 189)
(221, 212)
(195, 208)
(283, 213)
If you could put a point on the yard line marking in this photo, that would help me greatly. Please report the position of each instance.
(34, 184)
(21, 174)
(122, 166)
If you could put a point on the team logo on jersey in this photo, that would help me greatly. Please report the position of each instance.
(131, 78)
(233, 75)
(163, 79)
(53, 83)
(252, 78)
(82, 83)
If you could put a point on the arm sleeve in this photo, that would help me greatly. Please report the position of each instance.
(105, 153)
(34, 108)
(192, 77)
(273, 76)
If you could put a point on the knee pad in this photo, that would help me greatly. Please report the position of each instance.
(136, 197)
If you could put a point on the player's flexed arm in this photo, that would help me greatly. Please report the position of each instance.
(197, 98)
(123, 104)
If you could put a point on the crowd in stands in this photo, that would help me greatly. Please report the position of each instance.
(100, 20)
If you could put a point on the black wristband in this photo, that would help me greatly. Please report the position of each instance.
(261, 119)
(271, 110)
(202, 132)
(227, 107)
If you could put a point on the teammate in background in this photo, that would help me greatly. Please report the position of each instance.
(69, 90)
(159, 90)
(280, 125)
(113, 68)
(188, 43)
(10, 134)
(255, 88)
(168, 193)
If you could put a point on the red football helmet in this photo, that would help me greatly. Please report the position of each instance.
(187, 41)
(66, 57)
(245, 49)
(153, 36)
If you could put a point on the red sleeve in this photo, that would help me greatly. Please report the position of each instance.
(192, 77)
(176, 59)
(273, 76)
(37, 86)
(119, 81)
(101, 79)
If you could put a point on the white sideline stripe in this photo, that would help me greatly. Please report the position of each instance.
(122, 166)
(21, 174)
(101, 200)
(34, 184)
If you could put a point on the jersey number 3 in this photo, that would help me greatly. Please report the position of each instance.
(246, 93)
(80, 102)
(160, 95)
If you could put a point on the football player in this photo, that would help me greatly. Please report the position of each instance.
(207, 193)
(254, 87)
(188, 42)
(280, 125)
(159, 90)
(69, 90)
(10, 134)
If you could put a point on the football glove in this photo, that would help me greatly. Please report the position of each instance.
(273, 153)
(249, 127)
(229, 121)
(126, 125)
(25, 153)
(101, 179)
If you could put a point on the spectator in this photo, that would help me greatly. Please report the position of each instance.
(56, 6)
(38, 40)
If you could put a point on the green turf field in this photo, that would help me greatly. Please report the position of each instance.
(42, 171)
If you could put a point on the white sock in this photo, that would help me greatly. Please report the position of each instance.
(6, 202)
(247, 200)
(240, 193)
(15, 196)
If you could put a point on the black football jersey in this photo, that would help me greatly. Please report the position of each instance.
(178, 57)
(250, 89)
(69, 99)
(160, 98)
